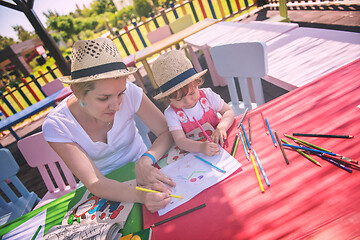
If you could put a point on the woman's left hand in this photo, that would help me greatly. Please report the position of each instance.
(146, 174)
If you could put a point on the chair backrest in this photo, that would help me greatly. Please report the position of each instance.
(143, 131)
(38, 153)
(242, 60)
(159, 34)
(181, 23)
(8, 170)
(52, 87)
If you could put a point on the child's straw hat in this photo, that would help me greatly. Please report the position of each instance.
(94, 60)
(173, 70)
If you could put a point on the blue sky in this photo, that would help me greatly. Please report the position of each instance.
(10, 17)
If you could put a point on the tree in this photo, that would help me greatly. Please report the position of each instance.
(102, 6)
(5, 42)
(66, 25)
(22, 34)
(142, 8)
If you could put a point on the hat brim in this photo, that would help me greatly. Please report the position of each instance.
(111, 74)
(180, 85)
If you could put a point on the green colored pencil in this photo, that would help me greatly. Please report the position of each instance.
(304, 154)
(236, 145)
(307, 143)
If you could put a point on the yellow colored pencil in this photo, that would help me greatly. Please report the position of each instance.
(256, 172)
(149, 190)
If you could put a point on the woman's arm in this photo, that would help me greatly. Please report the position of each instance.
(145, 173)
(87, 172)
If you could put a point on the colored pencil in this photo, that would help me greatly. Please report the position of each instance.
(149, 190)
(202, 129)
(217, 168)
(178, 215)
(243, 116)
(272, 135)
(243, 142)
(282, 148)
(249, 130)
(36, 233)
(307, 143)
(257, 173)
(246, 138)
(322, 135)
(233, 147)
(344, 162)
(266, 130)
(309, 149)
(303, 154)
(261, 168)
(236, 145)
(339, 165)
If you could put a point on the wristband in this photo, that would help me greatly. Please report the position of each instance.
(150, 156)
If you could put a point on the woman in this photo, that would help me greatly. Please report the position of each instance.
(94, 132)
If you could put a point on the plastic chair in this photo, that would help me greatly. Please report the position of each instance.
(17, 206)
(38, 153)
(242, 60)
(143, 130)
(130, 62)
(52, 87)
(181, 23)
(159, 34)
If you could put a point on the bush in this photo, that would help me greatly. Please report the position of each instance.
(142, 8)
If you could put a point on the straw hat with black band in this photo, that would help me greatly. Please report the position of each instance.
(172, 71)
(94, 60)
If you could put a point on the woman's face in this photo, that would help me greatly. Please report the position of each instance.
(189, 100)
(104, 100)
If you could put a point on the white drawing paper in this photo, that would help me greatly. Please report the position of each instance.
(192, 175)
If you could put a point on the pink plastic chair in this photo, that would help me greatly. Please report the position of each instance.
(52, 87)
(38, 153)
(159, 34)
(130, 62)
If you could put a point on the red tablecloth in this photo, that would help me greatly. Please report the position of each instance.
(304, 200)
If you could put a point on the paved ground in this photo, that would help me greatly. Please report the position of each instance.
(344, 15)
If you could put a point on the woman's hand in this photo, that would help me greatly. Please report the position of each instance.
(210, 148)
(219, 136)
(156, 201)
(148, 175)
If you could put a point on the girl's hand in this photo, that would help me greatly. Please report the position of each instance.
(219, 136)
(210, 149)
(146, 174)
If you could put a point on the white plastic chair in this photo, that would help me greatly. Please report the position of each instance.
(38, 153)
(16, 206)
(242, 60)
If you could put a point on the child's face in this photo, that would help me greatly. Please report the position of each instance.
(189, 100)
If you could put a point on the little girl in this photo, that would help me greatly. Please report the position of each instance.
(179, 83)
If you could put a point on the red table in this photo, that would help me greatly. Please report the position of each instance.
(304, 200)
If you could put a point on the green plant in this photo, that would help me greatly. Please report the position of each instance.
(142, 8)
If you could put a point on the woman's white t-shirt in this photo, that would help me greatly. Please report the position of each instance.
(215, 102)
(124, 143)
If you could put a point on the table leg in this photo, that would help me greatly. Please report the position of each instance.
(14, 134)
(194, 59)
(149, 73)
(217, 80)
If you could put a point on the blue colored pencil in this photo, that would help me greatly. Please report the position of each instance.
(247, 140)
(261, 168)
(219, 169)
(243, 142)
(243, 117)
(272, 135)
(309, 149)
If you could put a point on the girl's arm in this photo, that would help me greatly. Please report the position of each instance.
(145, 172)
(228, 115)
(189, 145)
(86, 171)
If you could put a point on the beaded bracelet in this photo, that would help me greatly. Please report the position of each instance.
(150, 156)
